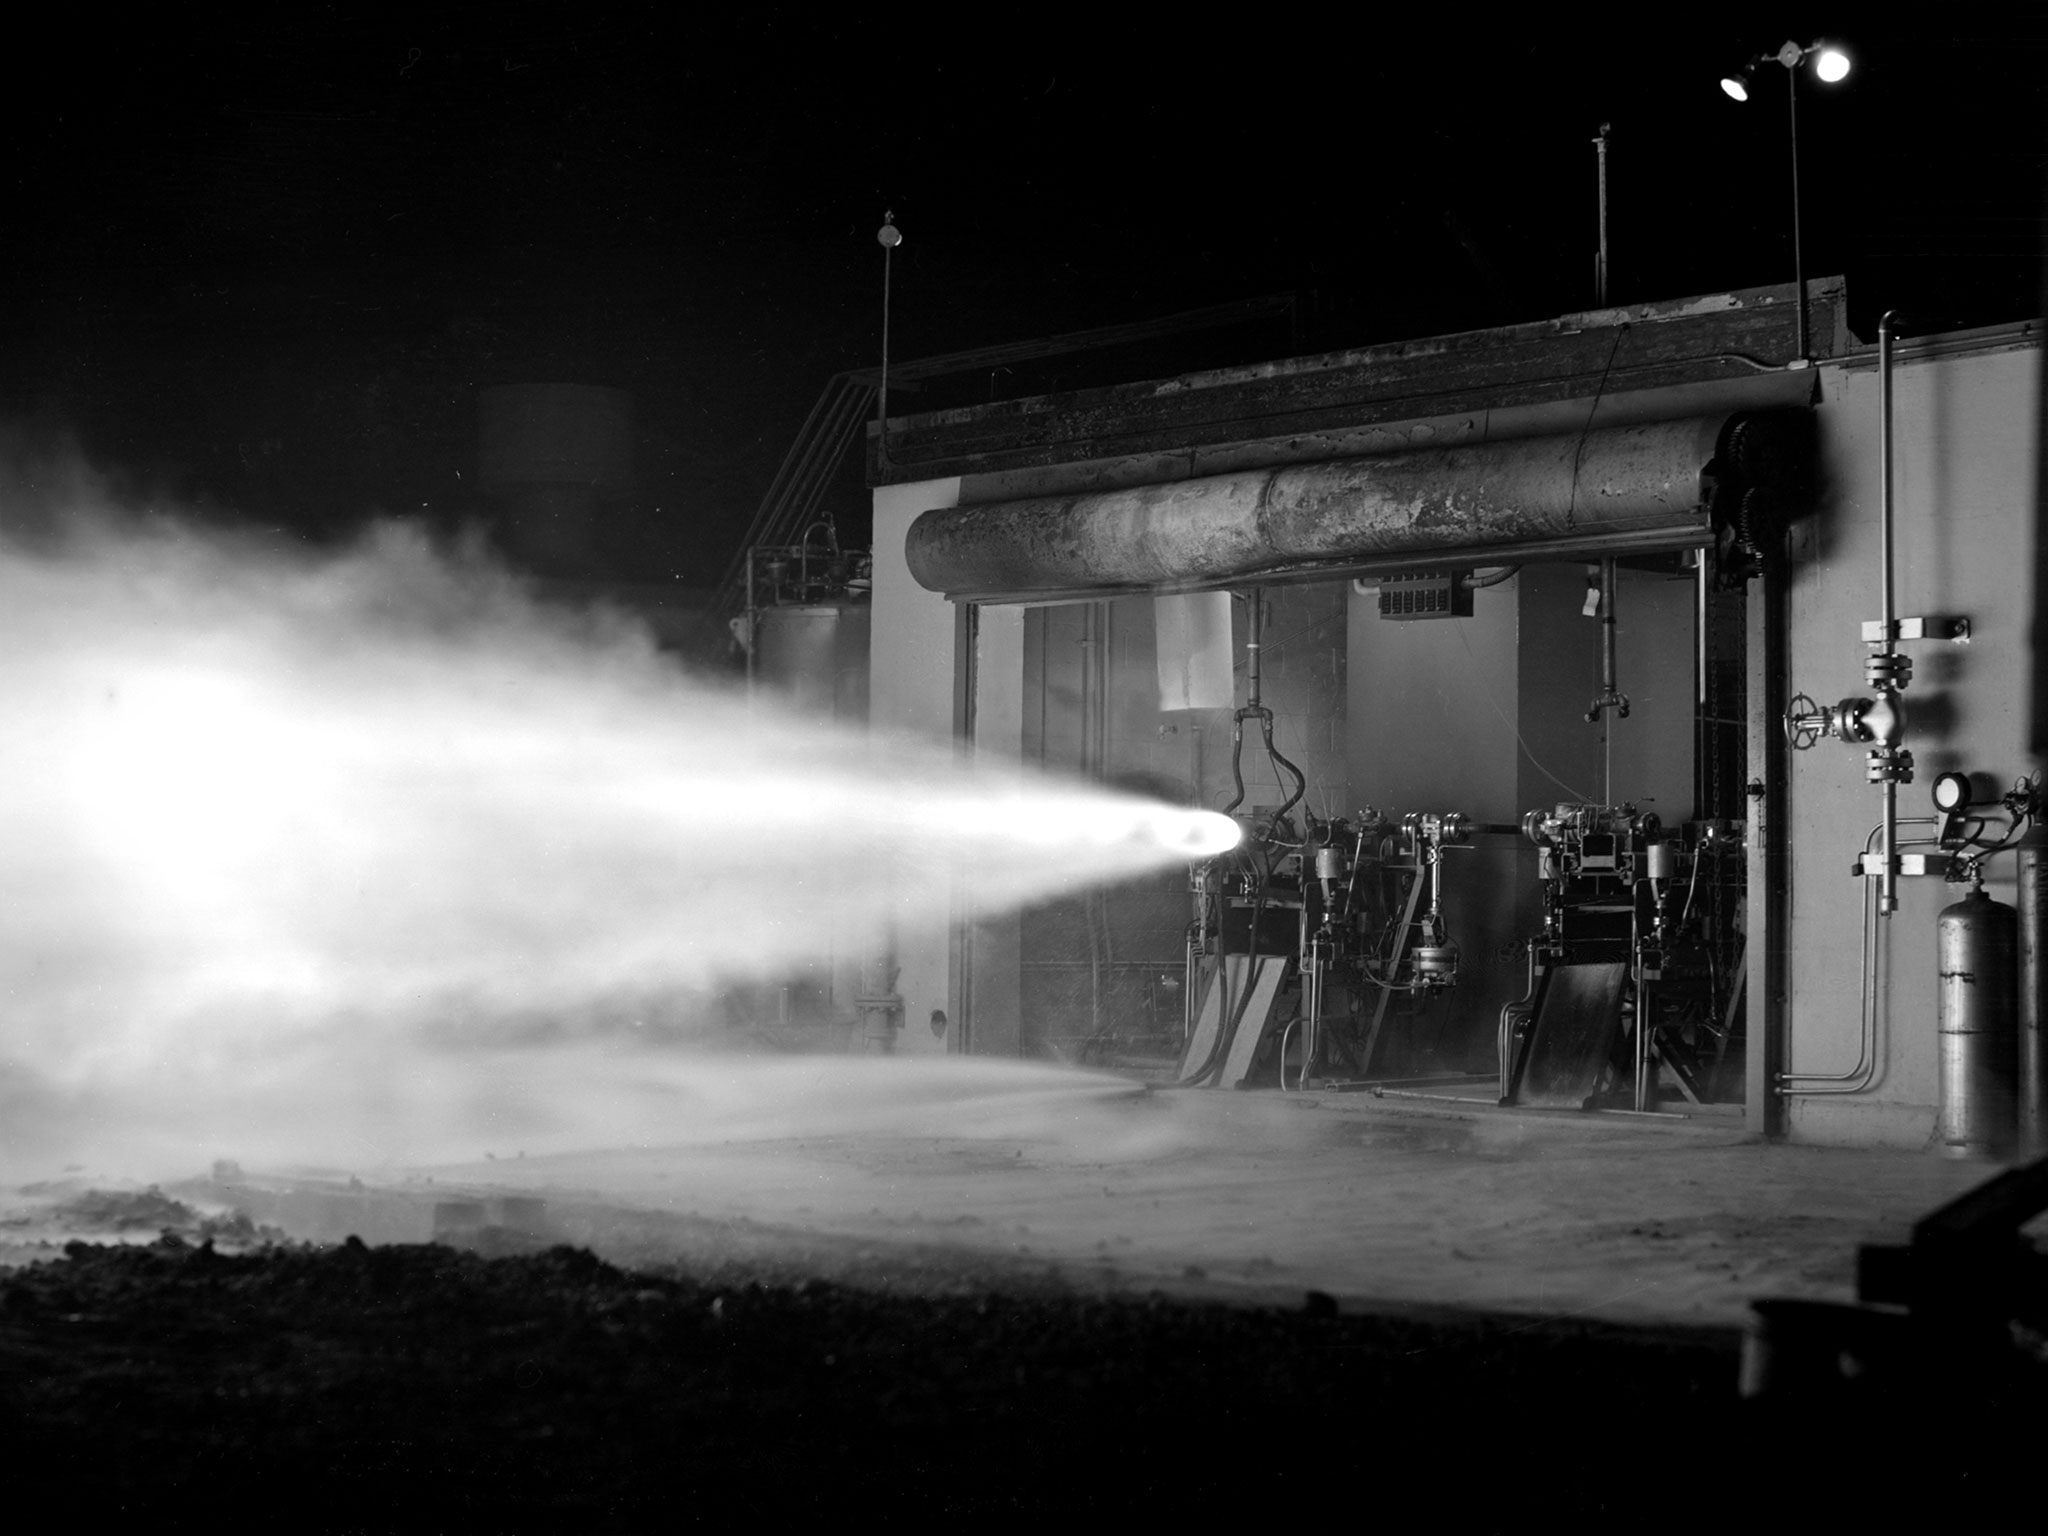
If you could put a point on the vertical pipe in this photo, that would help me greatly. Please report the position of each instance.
(1884, 491)
(1086, 765)
(1607, 628)
(1254, 627)
(1888, 877)
(1798, 254)
(1699, 568)
(1768, 860)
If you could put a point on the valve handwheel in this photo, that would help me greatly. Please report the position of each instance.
(1805, 722)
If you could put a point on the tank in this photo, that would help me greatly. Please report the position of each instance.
(817, 655)
(2032, 1065)
(552, 455)
(1977, 940)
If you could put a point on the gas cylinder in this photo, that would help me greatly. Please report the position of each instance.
(1978, 943)
(2033, 1026)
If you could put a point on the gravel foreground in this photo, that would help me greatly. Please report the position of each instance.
(426, 1387)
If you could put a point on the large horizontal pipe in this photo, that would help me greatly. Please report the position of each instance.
(1471, 498)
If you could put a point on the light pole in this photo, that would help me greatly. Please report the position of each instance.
(1600, 261)
(1831, 64)
(889, 237)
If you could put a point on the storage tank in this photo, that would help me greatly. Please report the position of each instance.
(1978, 943)
(816, 655)
(552, 456)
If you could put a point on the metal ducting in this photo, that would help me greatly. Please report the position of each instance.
(1647, 485)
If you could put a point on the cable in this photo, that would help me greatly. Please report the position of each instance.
(1599, 394)
(1698, 858)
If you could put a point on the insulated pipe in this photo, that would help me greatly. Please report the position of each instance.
(1609, 481)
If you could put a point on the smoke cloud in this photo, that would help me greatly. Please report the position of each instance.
(321, 832)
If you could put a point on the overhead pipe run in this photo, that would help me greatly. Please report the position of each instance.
(1632, 482)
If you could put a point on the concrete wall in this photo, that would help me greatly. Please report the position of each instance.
(1964, 527)
(910, 692)
(1427, 715)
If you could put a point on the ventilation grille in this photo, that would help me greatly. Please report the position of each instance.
(1425, 595)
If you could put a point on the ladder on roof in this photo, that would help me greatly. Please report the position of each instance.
(843, 410)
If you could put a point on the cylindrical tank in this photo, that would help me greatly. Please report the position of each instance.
(1977, 940)
(817, 654)
(2033, 1013)
(551, 454)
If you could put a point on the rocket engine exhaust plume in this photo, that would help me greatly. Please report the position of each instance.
(311, 832)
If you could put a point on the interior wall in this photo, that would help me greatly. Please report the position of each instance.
(1486, 715)
(1964, 451)
(1645, 759)
(1432, 709)
(1656, 636)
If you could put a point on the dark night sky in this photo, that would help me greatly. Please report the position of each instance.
(264, 264)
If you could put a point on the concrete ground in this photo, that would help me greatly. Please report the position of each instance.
(1378, 1201)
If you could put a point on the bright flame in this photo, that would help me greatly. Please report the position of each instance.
(1736, 87)
(1204, 834)
(1831, 64)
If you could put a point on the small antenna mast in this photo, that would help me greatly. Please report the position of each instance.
(1600, 260)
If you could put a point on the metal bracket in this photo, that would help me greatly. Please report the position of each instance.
(1931, 627)
(1871, 865)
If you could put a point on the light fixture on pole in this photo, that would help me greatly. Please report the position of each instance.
(1600, 260)
(1832, 65)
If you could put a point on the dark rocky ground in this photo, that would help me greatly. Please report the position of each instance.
(426, 1387)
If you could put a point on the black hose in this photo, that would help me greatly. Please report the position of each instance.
(1236, 764)
(1300, 781)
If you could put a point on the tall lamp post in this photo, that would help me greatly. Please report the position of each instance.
(1831, 64)
(889, 237)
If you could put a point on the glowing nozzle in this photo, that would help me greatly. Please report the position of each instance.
(1202, 834)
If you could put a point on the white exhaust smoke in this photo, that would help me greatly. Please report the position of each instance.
(305, 829)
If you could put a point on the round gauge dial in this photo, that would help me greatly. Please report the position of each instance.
(1951, 792)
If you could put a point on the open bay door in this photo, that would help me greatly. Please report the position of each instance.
(1437, 827)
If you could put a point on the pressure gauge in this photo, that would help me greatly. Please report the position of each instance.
(1951, 792)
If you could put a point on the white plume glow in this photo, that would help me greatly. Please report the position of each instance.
(316, 831)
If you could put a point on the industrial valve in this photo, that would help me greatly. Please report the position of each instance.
(1879, 723)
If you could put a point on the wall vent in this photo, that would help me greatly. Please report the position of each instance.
(1425, 595)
